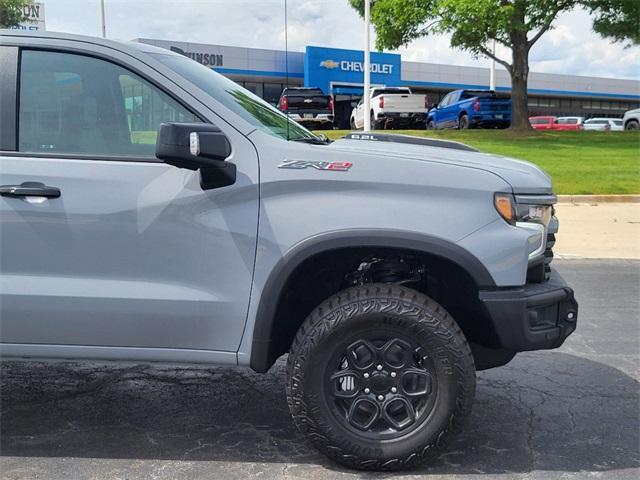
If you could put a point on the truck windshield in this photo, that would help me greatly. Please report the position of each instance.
(237, 99)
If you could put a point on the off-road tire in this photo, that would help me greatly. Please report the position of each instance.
(367, 310)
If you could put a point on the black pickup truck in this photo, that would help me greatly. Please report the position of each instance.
(309, 107)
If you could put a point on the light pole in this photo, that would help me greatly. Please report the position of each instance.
(492, 72)
(367, 67)
(104, 27)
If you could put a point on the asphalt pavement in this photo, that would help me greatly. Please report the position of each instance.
(569, 413)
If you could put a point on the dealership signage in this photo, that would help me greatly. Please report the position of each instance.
(33, 18)
(353, 66)
(332, 68)
(207, 58)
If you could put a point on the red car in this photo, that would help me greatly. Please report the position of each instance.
(556, 123)
(543, 123)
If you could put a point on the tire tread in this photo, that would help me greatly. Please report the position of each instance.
(340, 308)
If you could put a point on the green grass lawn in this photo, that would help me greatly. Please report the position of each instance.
(578, 162)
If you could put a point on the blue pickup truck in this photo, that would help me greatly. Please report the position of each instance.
(469, 109)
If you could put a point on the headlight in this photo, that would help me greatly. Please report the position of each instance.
(533, 213)
(514, 212)
(504, 204)
(534, 217)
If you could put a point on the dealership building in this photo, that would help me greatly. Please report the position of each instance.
(339, 72)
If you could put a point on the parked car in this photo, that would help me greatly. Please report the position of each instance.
(392, 107)
(470, 109)
(309, 107)
(153, 210)
(631, 119)
(543, 122)
(568, 123)
(603, 124)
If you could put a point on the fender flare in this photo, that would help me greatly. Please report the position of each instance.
(262, 356)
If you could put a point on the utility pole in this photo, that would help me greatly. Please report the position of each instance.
(367, 67)
(104, 27)
(492, 74)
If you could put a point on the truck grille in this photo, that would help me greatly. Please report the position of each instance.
(548, 254)
(539, 271)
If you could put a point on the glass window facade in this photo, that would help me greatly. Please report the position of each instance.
(268, 91)
(538, 104)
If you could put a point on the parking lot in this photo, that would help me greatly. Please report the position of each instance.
(569, 413)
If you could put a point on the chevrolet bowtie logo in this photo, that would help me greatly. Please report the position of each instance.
(330, 64)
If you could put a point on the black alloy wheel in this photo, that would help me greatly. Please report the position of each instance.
(378, 376)
(382, 387)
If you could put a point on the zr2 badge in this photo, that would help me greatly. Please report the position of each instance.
(300, 164)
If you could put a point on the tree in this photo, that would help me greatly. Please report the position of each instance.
(616, 19)
(11, 12)
(473, 24)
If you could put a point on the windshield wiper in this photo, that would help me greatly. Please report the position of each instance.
(311, 140)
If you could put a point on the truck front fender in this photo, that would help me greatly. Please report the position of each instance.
(263, 355)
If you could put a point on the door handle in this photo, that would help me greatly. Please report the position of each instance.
(29, 189)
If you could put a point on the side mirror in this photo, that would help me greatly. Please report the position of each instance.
(197, 146)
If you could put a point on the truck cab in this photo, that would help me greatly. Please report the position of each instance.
(465, 109)
(392, 107)
(308, 106)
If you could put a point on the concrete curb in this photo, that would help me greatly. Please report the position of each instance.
(598, 198)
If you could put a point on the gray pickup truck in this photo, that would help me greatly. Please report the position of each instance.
(154, 211)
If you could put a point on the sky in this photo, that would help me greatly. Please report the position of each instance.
(570, 48)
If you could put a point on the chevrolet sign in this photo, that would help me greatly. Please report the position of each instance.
(330, 64)
(354, 66)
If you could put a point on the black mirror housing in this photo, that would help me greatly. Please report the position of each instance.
(192, 145)
(197, 146)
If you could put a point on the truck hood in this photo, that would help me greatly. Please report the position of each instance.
(524, 177)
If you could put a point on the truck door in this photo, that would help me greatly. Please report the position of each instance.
(106, 245)
(441, 112)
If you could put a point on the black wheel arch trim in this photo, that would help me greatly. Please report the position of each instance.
(262, 356)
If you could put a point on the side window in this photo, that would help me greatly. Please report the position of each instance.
(82, 105)
(445, 101)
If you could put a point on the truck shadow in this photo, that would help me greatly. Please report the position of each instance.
(545, 411)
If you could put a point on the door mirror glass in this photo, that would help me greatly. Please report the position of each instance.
(197, 146)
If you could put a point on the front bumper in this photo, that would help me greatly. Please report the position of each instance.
(536, 316)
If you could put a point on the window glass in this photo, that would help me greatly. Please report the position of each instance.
(255, 88)
(82, 105)
(391, 91)
(540, 120)
(272, 92)
(243, 103)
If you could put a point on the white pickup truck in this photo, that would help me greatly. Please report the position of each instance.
(392, 107)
